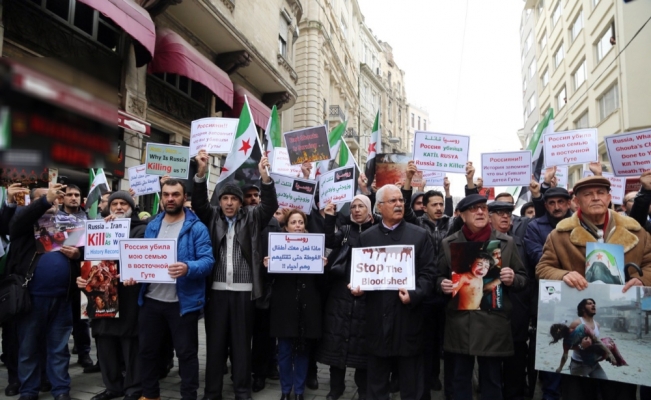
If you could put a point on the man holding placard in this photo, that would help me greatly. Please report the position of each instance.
(394, 321)
(237, 278)
(174, 306)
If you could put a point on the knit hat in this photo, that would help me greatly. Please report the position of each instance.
(232, 189)
(122, 195)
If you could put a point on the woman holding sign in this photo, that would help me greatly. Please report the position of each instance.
(295, 317)
(343, 342)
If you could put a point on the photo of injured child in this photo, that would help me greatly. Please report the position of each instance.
(475, 275)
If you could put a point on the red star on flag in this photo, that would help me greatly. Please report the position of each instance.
(371, 148)
(318, 172)
(224, 169)
(266, 153)
(600, 256)
(245, 146)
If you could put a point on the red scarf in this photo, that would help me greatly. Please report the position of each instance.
(483, 235)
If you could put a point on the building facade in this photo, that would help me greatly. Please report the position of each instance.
(592, 61)
(394, 104)
(529, 64)
(418, 120)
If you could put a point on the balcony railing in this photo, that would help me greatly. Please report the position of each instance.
(337, 114)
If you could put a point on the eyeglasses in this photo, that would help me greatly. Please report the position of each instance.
(476, 207)
(503, 213)
(394, 201)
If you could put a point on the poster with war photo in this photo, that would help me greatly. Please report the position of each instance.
(476, 281)
(99, 299)
(609, 338)
(309, 144)
(391, 168)
(52, 231)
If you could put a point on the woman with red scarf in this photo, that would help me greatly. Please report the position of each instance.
(485, 334)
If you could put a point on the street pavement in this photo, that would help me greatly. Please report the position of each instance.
(85, 386)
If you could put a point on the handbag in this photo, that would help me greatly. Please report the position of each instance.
(338, 266)
(14, 295)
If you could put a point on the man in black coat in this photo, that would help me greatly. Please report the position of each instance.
(394, 321)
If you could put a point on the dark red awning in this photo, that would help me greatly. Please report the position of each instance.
(176, 56)
(259, 110)
(129, 16)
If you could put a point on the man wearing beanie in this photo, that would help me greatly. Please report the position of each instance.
(117, 338)
(563, 259)
(237, 279)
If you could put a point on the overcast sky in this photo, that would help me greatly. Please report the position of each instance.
(462, 64)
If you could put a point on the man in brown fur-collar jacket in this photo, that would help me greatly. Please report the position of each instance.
(564, 259)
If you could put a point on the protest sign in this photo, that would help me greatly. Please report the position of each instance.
(296, 253)
(561, 176)
(52, 231)
(629, 153)
(570, 147)
(103, 238)
(99, 299)
(309, 144)
(383, 268)
(391, 168)
(476, 268)
(146, 260)
(617, 185)
(441, 152)
(141, 182)
(294, 193)
(163, 159)
(337, 186)
(215, 135)
(621, 330)
(633, 185)
(433, 178)
(511, 168)
(281, 165)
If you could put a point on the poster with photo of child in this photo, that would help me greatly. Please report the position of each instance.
(476, 275)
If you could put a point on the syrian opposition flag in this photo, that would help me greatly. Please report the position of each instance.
(241, 165)
(273, 134)
(374, 147)
(155, 209)
(346, 158)
(98, 186)
(334, 140)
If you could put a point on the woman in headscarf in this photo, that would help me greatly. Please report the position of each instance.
(342, 344)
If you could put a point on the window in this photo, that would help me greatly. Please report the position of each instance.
(399, 89)
(389, 111)
(188, 87)
(543, 41)
(529, 42)
(579, 75)
(604, 45)
(522, 58)
(535, 126)
(556, 14)
(577, 25)
(344, 27)
(541, 8)
(558, 56)
(389, 78)
(582, 121)
(532, 103)
(86, 20)
(424, 124)
(282, 36)
(524, 85)
(400, 116)
(545, 78)
(561, 98)
(412, 120)
(608, 102)
(419, 123)
(532, 68)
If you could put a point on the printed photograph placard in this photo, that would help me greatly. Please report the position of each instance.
(147, 260)
(337, 186)
(294, 192)
(296, 253)
(476, 270)
(163, 159)
(99, 299)
(441, 152)
(309, 144)
(621, 331)
(604, 263)
(391, 168)
(383, 268)
(52, 231)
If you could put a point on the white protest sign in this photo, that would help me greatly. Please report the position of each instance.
(281, 165)
(511, 168)
(433, 178)
(294, 193)
(337, 186)
(561, 176)
(629, 153)
(441, 152)
(146, 260)
(103, 238)
(570, 147)
(296, 253)
(141, 182)
(617, 185)
(215, 135)
(383, 268)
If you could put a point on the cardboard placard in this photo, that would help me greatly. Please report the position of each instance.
(281, 165)
(337, 186)
(141, 182)
(570, 147)
(617, 185)
(629, 153)
(309, 144)
(215, 135)
(103, 238)
(164, 159)
(294, 193)
(383, 268)
(511, 168)
(296, 253)
(147, 260)
(441, 152)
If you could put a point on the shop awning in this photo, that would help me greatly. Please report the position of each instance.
(176, 56)
(260, 112)
(135, 21)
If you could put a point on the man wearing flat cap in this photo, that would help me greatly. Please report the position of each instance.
(564, 254)
(237, 280)
(485, 334)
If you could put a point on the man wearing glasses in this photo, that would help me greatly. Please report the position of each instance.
(394, 321)
(485, 334)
